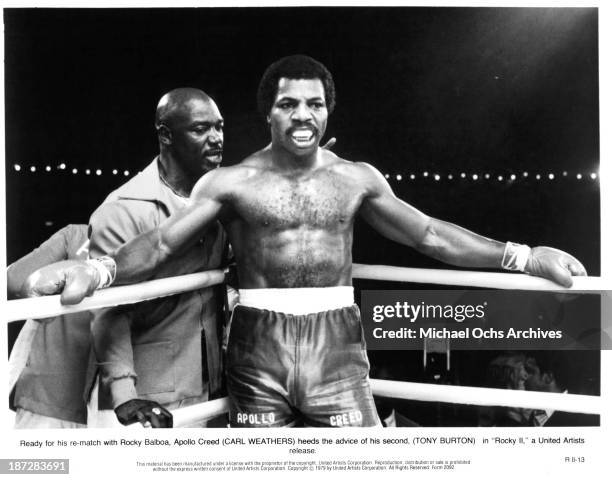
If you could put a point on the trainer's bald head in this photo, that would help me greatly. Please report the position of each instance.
(176, 104)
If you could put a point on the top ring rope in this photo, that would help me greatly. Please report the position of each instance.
(465, 278)
(43, 307)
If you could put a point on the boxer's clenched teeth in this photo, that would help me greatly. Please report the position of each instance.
(302, 136)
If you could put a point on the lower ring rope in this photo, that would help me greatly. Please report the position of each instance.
(183, 417)
(426, 392)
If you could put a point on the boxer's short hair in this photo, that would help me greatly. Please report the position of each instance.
(294, 67)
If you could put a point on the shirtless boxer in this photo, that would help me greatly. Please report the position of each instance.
(296, 351)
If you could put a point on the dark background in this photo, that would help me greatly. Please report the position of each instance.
(496, 91)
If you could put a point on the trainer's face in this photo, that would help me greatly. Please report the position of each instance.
(298, 117)
(197, 136)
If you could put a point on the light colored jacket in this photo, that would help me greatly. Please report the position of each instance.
(152, 350)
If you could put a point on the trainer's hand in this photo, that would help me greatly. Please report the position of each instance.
(554, 265)
(330, 143)
(145, 412)
(74, 279)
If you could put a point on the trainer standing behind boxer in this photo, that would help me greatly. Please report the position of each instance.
(296, 352)
(151, 353)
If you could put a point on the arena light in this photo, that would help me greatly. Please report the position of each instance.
(98, 172)
(398, 177)
(75, 171)
(32, 168)
(115, 172)
(87, 172)
(126, 172)
(62, 166)
(17, 167)
(48, 168)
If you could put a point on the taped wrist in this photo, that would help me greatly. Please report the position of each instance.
(515, 257)
(106, 268)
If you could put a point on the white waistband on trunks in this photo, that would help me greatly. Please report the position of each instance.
(297, 301)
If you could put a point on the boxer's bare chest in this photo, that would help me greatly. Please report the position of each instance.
(321, 200)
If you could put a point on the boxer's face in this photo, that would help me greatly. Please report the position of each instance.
(197, 136)
(298, 117)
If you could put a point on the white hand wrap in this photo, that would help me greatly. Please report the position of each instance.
(515, 256)
(106, 268)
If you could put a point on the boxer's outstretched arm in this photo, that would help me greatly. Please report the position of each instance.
(401, 222)
(138, 259)
(449, 243)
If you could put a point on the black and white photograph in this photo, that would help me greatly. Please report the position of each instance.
(212, 214)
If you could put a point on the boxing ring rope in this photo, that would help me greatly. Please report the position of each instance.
(50, 306)
(464, 278)
(183, 417)
(425, 392)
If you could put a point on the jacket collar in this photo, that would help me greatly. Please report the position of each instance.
(146, 186)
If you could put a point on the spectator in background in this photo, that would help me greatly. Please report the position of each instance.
(550, 371)
(507, 370)
(51, 391)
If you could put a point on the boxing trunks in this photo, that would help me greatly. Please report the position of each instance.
(292, 368)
